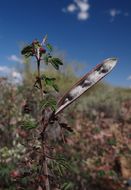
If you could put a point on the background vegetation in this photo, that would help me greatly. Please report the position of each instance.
(96, 153)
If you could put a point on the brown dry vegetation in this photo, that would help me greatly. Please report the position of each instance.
(98, 151)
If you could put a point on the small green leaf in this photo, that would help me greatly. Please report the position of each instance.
(56, 62)
(67, 186)
(49, 81)
(112, 173)
(55, 65)
(27, 51)
(55, 86)
(60, 169)
(29, 124)
(49, 47)
(53, 104)
(101, 173)
(49, 103)
(112, 141)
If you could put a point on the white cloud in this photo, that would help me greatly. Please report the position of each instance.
(83, 15)
(115, 12)
(17, 77)
(14, 76)
(129, 77)
(15, 59)
(80, 7)
(83, 5)
(71, 8)
(5, 69)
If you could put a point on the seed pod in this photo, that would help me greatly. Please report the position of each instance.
(86, 82)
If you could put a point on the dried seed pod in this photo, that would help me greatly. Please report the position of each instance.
(86, 82)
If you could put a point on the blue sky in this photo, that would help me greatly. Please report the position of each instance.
(87, 30)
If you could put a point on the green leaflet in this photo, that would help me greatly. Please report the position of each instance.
(59, 166)
(27, 51)
(67, 186)
(29, 124)
(49, 103)
(50, 82)
(55, 86)
(49, 47)
(101, 173)
(56, 62)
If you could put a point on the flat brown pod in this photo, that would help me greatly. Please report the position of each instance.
(86, 82)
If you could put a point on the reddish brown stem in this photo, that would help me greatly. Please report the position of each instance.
(39, 78)
(45, 165)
